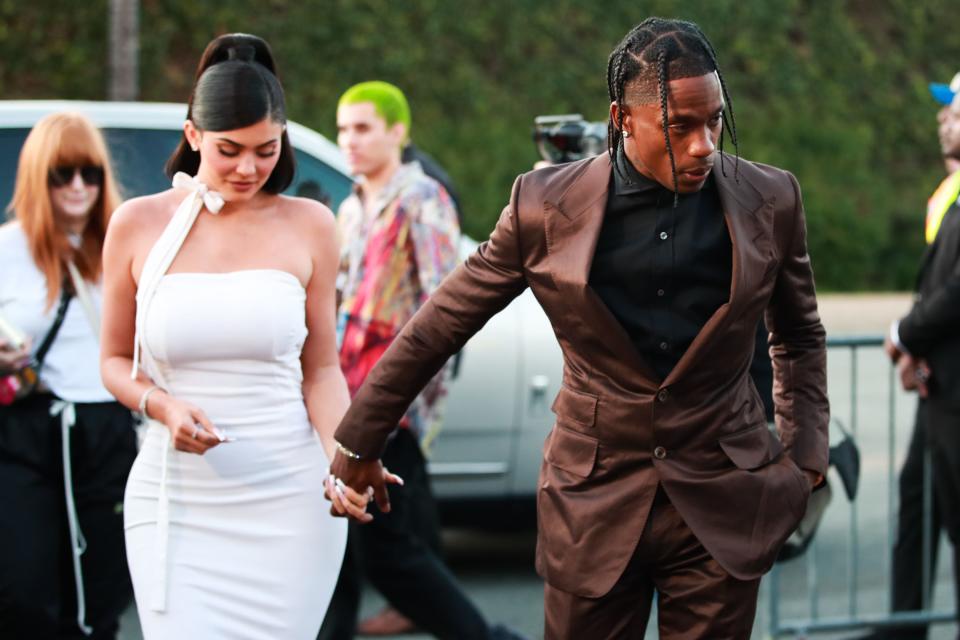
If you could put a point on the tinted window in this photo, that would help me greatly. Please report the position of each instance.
(138, 156)
(10, 142)
(315, 179)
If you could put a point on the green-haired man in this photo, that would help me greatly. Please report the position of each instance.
(399, 235)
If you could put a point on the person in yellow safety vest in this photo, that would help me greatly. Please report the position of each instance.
(948, 191)
(908, 553)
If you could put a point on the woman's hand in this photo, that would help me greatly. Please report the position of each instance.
(190, 429)
(13, 359)
(353, 484)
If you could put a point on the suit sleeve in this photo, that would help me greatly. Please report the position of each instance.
(477, 290)
(798, 351)
(933, 318)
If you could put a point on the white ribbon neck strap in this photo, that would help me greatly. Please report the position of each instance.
(163, 252)
(212, 200)
(155, 266)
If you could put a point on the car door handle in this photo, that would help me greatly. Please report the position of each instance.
(538, 393)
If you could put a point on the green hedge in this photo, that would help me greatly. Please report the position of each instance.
(833, 91)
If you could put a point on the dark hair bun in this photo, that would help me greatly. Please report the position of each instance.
(244, 53)
(236, 46)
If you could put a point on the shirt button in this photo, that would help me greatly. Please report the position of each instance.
(659, 453)
(664, 346)
(662, 395)
(660, 293)
(664, 235)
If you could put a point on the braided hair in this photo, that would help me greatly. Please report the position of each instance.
(654, 52)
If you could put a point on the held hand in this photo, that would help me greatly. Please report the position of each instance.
(359, 482)
(914, 374)
(922, 373)
(907, 371)
(190, 429)
(11, 358)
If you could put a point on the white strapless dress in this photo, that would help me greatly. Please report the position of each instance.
(237, 543)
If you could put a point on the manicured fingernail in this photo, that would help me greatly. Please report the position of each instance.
(399, 479)
(340, 485)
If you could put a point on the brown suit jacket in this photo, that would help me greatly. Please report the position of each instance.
(620, 430)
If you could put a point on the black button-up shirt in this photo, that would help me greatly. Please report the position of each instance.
(661, 271)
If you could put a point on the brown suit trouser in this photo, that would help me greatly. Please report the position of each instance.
(697, 598)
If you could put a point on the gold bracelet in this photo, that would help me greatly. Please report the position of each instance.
(347, 452)
(142, 406)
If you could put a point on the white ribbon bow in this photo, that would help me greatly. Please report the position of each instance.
(212, 200)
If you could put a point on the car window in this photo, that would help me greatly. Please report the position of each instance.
(315, 179)
(138, 157)
(10, 142)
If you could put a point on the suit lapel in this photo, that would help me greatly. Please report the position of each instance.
(749, 222)
(572, 227)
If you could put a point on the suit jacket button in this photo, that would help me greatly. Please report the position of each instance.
(659, 453)
(662, 395)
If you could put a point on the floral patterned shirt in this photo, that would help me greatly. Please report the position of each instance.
(391, 260)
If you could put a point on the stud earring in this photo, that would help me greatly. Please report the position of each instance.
(626, 134)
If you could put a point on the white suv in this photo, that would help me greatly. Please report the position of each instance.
(498, 411)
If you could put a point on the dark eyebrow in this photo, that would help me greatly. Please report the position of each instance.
(259, 146)
(683, 118)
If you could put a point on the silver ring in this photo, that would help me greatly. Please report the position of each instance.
(196, 430)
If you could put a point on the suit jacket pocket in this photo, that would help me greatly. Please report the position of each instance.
(572, 451)
(751, 448)
(575, 406)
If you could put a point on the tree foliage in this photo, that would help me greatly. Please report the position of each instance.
(836, 92)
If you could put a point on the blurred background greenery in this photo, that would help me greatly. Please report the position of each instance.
(834, 91)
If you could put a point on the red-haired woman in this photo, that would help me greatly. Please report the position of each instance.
(66, 447)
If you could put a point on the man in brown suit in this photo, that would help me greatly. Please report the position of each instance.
(660, 474)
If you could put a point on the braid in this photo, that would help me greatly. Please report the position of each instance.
(728, 121)
(615, 88)
(662, 87)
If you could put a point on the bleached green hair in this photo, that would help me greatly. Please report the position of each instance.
(388, 101)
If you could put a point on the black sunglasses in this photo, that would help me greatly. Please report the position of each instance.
(62, 176)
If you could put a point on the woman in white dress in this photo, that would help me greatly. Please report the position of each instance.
(218, 326)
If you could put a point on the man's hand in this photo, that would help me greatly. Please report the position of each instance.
(353, 483)
(914, 374)
(891, 349)
(813, 478)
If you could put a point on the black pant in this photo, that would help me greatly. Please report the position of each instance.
(38, 597)
(907, 588)
(944, 426)
(398, 553)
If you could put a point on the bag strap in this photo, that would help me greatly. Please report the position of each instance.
(83, 297)
(66, 294)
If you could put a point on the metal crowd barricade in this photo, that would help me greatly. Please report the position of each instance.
(852, 618)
